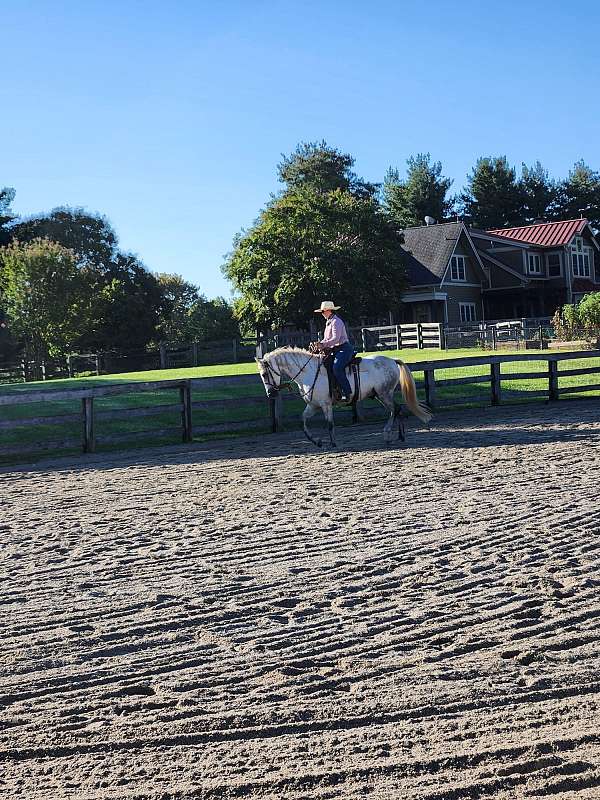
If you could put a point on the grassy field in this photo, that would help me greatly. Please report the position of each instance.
(469, 394)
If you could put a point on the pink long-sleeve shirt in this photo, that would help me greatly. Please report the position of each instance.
(335, 332)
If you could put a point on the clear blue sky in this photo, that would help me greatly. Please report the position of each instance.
(170, 118)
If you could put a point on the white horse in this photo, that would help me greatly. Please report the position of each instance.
(378, 379)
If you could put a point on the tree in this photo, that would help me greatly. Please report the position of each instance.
(42, 294)
(212, 320)
(6, 215)
(579, 195)
(89, 236)
(309, 245)
(588, 312)
(539, 193)
(493, 198)
(125, 306)
(422, 194)
(317, 166)
(179, 298)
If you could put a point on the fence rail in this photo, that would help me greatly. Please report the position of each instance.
(419, 335)
(190, 414)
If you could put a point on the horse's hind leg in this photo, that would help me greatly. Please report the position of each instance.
(398, 416)
(309, 412)
(328, 412)
(387, 399)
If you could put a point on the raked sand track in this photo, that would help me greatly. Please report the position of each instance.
(261, 620)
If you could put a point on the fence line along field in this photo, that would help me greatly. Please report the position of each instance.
(254, 619)
(109, 413)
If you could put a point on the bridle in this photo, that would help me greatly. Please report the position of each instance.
(271, 372)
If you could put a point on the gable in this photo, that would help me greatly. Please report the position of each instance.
(428, 250)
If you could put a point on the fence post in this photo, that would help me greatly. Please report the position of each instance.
(275, 408)
(24, 371)
(495, 383)
(195, 353)
(43, 370)
(398, 338)
(553, 380)
(363, 336)
(429, 375)
(87, 410)
(69, 367)
(185, 396)
(162, 349)
(419, 336)
(235, 350)
(97, 364)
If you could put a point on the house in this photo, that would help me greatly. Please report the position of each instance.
(459, 275)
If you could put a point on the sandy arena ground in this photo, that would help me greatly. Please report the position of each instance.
(261, 620)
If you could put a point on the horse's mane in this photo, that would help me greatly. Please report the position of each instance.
(289, 350)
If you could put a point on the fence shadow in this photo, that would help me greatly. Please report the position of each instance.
(504, 426)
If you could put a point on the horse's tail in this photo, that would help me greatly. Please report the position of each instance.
(409, 391)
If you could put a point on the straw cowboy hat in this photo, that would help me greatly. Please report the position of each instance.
(327, 305)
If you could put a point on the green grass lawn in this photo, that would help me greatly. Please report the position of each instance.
(169, 421)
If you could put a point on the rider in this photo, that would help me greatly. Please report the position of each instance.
(336, 340)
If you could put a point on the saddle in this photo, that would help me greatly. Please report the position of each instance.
(334, 390)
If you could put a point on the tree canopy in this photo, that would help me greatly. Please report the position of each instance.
(423, 193)
(309, 245)
(42, 295)
(321, 168)
(579, 195)
(538, 194)
(493, 197)
(7, 195)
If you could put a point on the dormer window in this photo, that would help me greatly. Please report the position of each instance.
(535, 264)
(458, 271)
(581, 258)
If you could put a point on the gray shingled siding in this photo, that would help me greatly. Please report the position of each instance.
(462, 294)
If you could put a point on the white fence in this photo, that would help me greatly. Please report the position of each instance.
(419, 335)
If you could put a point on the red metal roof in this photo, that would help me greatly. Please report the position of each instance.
(544, 234)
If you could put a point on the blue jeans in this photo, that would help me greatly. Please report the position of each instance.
(341, 359)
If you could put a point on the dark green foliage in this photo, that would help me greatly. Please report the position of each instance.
(125, 302)
(422, 194)
(493, 197)
(579, 195)
(539, 194)
(308, 246)
(89, 236)
(213, 320)
(43, 295)
(187, 315)
(6, 197)
(317, 166)
(179, 297)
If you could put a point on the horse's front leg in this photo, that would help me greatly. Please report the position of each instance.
(309, 412)
(328, 412)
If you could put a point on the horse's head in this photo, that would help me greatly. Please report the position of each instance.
(270, 376)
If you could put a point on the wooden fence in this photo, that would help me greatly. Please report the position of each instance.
(396, 337)
(271, 415)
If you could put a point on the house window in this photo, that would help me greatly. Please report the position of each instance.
(535, 264)
(553, 260)
(458, 270)
(581, 259)
(467, 312)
